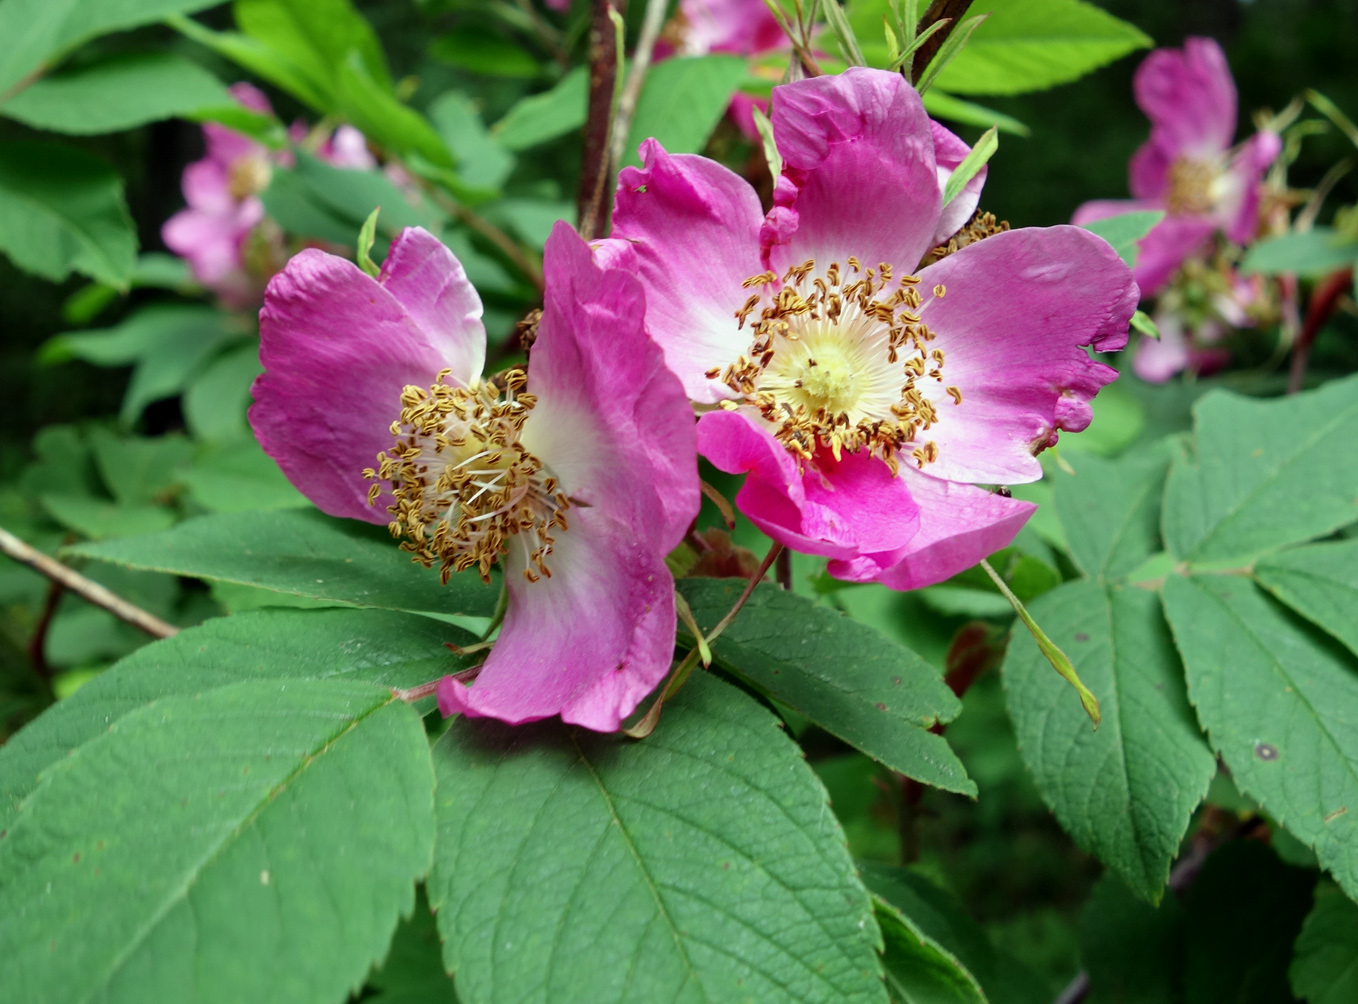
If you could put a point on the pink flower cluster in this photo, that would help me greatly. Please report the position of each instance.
(872, 360)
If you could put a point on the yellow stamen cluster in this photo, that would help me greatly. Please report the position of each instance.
(248, 176)
(1190, 186)
(839, 361)
(978, 228)
(464, 484)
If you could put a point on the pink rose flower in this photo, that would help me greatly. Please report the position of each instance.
(1187, 168)
(1194, 314)
(868, 399)
(580, 476)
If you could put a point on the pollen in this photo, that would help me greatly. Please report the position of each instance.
(841, 361)
(1190, 186)
(465, 488)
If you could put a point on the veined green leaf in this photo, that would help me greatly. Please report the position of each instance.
(1110, 511)
(1320, 582)
(1123, 231)
(1325, 961)
(682, 101)
(1311, 254)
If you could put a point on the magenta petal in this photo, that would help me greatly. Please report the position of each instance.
(337, 348)
(959, 525)
(1158, 359)
(587, 644)
(949, 151)
(1189, 96)
(858, 147)
(742, 27)
(836, 509)
(1017, 309)
(694, 228)
(1163, 250)
(207, 188)
(1101, 209)
(1148, 170)
(611, 422)
(1238, 209)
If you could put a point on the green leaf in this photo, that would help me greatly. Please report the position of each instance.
(1030, 45)
(216, 400)
(1320, 582)
(314, 35)
(1264, 474)
(945, 106)
(477, 50)
(700, 864)
(286, 825)
(1131, 950)
(117, 92)
(238, 478)
(940, 918)
(1124, 230)
(1325, 961)
(1110, 511)
(874, 694)
(1310, 254)
(62, 210)
(36, 32)
(352, 195)
(481, 161)
(377, 647)
(540, 117)
(1279, 702)
(918, 969)
(1125, 792)
(301, 552)
(292, 203)
(139, 470)
(412, 972)
(98, 519)
(971, 164)
(682, 101)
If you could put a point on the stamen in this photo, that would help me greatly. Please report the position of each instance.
(464, 486)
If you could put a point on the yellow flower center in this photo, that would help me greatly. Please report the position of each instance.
(248, 176)
(841, 360)
(1190, 186)
(465, 486)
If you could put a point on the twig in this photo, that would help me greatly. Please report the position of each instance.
(594, 200)
(651, 25)
(937, 11)
(783, 570)
(86, 589)
(37, 644)
(1076, 991)
(1324, 299)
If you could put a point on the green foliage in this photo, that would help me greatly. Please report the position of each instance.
(917, 968)
(1132, 951)
(871, 692)
(62, 211)
(727, 882)
(681, 102)
(1320, 582)
(117, 92)
(303, 553)
(540, 117)
(1325, 965)
(1309, 253)
(1125, 230)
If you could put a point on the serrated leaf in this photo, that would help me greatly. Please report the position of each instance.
(286, 825)
(701, 864)
(378, 647)
(1110, 511)
(1030, 45)
(869, 691)
(1125, 792)
(117, 92)
(36, 32)
(682, 101)
(1280, 704)
(944, 106)
(1264, 474)
(1124, 230)
(940, 918)
(1324, 966)
(1320, 582)
(61, 211)
(302, 552)
(918, 970)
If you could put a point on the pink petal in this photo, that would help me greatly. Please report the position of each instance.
(694, 229)
(741, 112)
(1148, 170)
(858, 151)
(586, 644)
(959, 525)
(743, 27)
(338, 347)
(206, 187)
(1158, 359)
(347, 148)
(1163, 250)
(1017, 309)
(1189, 96)
(611, 422)
(839, 509)
(1238, 209)
(226, 145)
(1101, 209)
(949, 151)
(211, 241)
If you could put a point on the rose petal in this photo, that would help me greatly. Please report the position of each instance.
(949, 151)
(1237, 210)
(1189, 96)
(1164, 248)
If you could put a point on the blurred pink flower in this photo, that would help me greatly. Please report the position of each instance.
(1199, 309)
(1187, 168)
(580, 476)
(868, 399)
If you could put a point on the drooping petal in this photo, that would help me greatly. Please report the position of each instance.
(857, 147)
(586, 644)
(1148, 170)
(1237, 210)
(694, 230)
(1189, 96)
(1102, 209)
(611, 422)
(838, 509)
(949, 151)
(432, 286)
(1166, 246)
(338, 347)
(959, 525)
(1017, 309)
(1157, 360)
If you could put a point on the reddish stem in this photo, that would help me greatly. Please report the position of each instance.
(594, 201)
(1324, 300)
